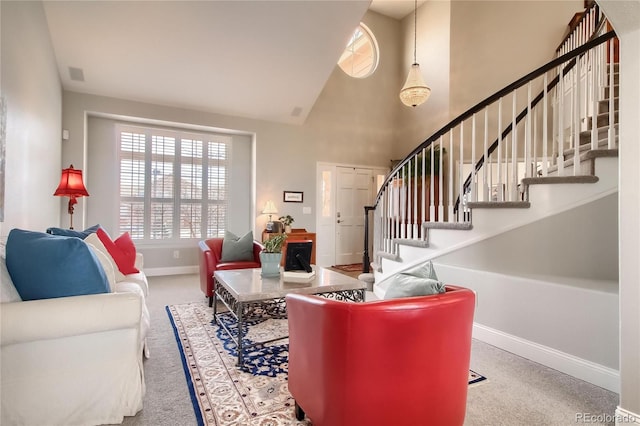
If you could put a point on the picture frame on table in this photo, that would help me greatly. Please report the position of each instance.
(293, 196)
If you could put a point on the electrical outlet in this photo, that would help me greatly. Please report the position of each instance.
(176, 254)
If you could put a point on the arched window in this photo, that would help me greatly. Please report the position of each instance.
(360, 58)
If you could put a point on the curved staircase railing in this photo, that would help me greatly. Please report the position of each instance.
(571, 113)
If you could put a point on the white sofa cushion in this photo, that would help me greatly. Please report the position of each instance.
(140, 279)
(95, 241)
(106, 265)
(8, 292)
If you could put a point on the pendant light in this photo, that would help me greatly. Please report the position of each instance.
(415, 91)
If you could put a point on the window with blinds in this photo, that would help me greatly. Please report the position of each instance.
(173, 183)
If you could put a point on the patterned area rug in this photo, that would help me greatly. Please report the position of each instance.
(223, 394)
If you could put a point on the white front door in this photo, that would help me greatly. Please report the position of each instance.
(354, 191)
(345, 190)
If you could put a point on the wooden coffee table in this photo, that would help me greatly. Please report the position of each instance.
(248, 295)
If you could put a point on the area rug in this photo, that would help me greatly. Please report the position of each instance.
(354, 267)
(223, 394)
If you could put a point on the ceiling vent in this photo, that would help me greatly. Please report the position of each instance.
(76, 74)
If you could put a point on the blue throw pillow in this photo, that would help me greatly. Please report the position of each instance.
(44, 266)
(72, 232)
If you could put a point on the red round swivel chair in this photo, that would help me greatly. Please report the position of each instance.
(393, 362)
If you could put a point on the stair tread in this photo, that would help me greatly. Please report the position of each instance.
(600, 153)
(588, 154)
(602, 143)
(411, 242)
(499, 205)
(387, 255)
(462, 226)
(559, 179)
(602, 132)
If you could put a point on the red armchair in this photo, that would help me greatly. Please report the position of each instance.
(209, 259)
(392, 362)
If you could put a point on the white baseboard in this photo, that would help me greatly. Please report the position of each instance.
(172, 270)
(582, 369)
(625, 417)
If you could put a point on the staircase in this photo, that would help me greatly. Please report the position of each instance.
(517, 199)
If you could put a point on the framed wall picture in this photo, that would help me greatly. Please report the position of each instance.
(292, 197)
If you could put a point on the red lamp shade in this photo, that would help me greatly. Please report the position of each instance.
(71, 186)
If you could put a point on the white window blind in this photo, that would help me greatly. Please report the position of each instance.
(173, 183)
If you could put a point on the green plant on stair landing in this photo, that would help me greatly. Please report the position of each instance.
(411, 170)
(271, 255)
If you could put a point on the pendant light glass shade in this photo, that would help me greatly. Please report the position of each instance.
(415, 91)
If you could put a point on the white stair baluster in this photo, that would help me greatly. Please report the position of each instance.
(423, 217)
(513, 193)
(595, 66)
(460, 174)
(440, 182)
(450, 218)
(612, 129)
(499, 160)
(560, 89)
(545, 106)
(576, 122)
(414, 234)
(472, 187)
(485, 165)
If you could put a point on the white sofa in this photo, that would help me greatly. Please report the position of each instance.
(73, 360)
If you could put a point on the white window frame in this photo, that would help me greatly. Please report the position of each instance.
(203, 203)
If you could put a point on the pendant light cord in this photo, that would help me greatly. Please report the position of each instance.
(415, 30)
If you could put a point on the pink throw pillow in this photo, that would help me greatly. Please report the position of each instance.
(122, 250)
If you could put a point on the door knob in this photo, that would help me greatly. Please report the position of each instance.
(338, 221)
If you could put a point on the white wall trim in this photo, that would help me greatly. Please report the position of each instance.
(625, 417)
(588, 371)
(172, 270)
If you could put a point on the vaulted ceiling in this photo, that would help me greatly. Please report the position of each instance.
(259, 59)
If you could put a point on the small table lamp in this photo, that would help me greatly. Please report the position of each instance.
(71, 186)
(270, 209)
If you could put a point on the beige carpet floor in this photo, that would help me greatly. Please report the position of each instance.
(517, 392)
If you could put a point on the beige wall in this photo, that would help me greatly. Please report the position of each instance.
(484, 59)
(31, 87)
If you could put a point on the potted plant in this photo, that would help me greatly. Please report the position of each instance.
(287, 221)
(271, 255)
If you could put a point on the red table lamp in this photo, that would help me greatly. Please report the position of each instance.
(71, 186)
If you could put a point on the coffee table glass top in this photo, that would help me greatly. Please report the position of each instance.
(247, 285)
